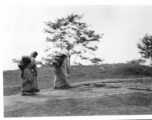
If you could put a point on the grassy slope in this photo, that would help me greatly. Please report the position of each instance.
(12, 81)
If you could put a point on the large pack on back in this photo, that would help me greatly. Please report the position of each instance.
(57, 61)
(24, 62)
(26, 59)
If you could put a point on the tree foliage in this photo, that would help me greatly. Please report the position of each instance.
(96, 61)
(145, 47)
(136, 61)
(72, 35)
(15, 60)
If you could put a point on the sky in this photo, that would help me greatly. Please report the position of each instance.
(122, 25)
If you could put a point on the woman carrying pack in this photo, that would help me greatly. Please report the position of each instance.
(60, 64)
(29, 84)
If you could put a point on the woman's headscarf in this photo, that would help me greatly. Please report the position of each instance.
(33, 53)
(33, 62)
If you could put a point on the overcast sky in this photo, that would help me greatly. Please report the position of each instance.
(122, 26)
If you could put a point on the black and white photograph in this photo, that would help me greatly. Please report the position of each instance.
(69, 60)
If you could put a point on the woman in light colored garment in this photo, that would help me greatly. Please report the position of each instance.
(29, 84)
(60, 64)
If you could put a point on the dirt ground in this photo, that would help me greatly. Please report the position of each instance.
(100, 97)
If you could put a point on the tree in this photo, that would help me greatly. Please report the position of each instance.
(145, 47)
(96, 61)
(73, 36)
(15, 61)
(136, 61)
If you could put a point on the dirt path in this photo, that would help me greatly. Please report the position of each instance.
(84, 89)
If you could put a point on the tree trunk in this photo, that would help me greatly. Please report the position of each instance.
(151, 60)
(69, 60)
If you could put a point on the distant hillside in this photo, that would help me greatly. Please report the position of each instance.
(12, 80)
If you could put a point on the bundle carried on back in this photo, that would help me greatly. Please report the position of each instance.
(24, 62)
(57, 61)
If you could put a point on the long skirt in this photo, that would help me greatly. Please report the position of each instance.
(60, 79)
(29, 83)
